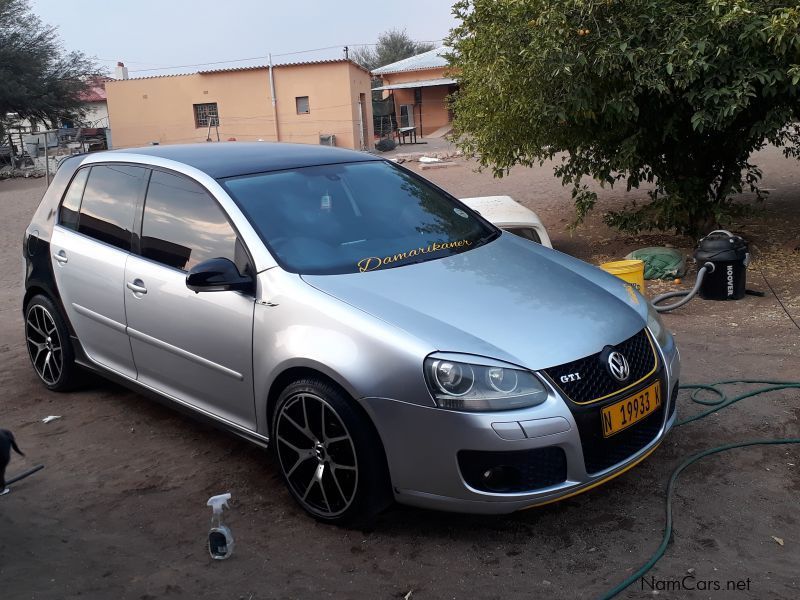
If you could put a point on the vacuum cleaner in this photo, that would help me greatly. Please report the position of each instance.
(723, 275)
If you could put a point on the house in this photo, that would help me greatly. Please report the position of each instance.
(323, 101)
(419, 85)
(94, 103)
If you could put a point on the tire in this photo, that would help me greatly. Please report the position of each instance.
(329, 454)
(49, 347)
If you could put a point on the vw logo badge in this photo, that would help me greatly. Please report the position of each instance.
(618, 366)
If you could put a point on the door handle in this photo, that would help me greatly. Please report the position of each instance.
(61, 257)
(136, 286)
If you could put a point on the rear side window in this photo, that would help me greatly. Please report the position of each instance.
(183, 225)
(109, 200)
(68, 214)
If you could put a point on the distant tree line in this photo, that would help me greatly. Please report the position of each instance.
(393, 45)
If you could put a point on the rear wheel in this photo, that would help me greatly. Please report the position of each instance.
(49, 347)
(329, 453)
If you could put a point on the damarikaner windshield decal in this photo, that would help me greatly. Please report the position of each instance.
(375, 262)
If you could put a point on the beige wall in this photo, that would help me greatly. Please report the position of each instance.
(160, 109)
(406, 76)
(433, 108)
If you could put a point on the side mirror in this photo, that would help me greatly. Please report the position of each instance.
(218, 275)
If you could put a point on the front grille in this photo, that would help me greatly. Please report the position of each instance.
(513, 471)
(595, 381)
(600, 453)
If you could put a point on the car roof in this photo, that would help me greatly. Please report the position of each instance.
(229, 159)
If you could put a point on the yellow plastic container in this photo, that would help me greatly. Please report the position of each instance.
(631, 271)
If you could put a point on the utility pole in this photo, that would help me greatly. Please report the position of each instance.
(274, 100)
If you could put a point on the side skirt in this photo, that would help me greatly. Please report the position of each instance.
(169, 401)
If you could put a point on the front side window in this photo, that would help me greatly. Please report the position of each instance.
(109, 200)
(206, 114)
(68, 214)
(354, 217)
(183, 225)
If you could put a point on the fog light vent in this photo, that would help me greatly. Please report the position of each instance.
(513, 471)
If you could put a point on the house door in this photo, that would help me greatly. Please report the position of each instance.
(406, 115)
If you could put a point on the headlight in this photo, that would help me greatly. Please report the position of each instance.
(476, 388)
(656, 326)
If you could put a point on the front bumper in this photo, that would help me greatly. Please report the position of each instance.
(423, 445)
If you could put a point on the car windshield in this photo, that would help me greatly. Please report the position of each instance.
(354, 217)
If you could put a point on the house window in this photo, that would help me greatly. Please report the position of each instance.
(302, 105)
(206, 114)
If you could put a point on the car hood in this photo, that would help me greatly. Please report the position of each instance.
(510, 299)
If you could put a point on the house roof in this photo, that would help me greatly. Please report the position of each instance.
(231, 159)
(95, 91)
(433, 59)
(417, 84)
(252, 68)
(286, 64)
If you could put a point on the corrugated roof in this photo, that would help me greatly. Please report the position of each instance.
(433, 59)
(285, 64)
(95, 90)
(253, 68)
(417, 84)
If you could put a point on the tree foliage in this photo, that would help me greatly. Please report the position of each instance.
(393, 45)
(676, 94)
(39, 80)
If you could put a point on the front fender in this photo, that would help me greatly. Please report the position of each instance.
(296, 325)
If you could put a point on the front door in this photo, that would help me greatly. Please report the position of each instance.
(406, 115)
(90, 246)
(194, 347)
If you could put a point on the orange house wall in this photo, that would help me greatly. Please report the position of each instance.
(159, 109)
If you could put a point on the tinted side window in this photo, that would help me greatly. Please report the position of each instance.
(183, 225)
(108, 203)
(68, 214)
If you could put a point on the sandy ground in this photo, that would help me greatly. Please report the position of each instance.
(119, 511)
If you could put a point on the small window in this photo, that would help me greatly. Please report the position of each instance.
(68, 214)
(183, 225)
(529, 233)
(302, 105)
(206, 114)
(109, 199)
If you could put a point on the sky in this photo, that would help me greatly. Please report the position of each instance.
(152, 36)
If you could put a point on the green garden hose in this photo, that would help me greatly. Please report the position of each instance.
(721, 401)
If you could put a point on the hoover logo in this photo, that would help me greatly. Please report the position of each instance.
(729, 275)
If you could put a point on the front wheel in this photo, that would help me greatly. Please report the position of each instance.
(329, 454)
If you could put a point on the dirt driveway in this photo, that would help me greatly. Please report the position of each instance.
(119, 511)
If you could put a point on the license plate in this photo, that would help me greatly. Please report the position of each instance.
(625, 413)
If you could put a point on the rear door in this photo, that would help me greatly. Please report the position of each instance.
(194, 347)
(90, 245)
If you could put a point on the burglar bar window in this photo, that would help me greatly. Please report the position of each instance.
(302, 105)
(206, 114)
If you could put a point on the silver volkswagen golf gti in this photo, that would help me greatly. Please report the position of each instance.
(388, 342)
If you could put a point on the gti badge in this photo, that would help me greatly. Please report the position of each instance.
(570, 377)
(618, 366)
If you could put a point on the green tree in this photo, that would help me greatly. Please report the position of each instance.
(393, 45)
(672, 94)
(39, 80)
